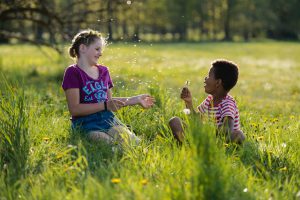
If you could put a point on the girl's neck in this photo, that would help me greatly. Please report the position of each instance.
(82, 63)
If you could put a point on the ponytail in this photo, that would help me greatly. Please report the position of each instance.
(72, 52)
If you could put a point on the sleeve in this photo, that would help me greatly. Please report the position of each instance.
(110, 82)
(203, 107)
(228, 109)
(71, 79)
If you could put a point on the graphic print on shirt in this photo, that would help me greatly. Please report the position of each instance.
(95, 90)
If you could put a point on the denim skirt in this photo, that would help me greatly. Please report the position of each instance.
(100, 121)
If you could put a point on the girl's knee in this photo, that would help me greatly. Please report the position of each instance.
(99, 136)
(123, 134)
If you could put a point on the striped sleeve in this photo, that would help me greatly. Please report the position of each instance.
(228, 109)
(203, 107)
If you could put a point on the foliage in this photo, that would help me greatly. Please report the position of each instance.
(50, 22)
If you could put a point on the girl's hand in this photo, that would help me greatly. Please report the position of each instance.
(114, 105)
(146, 101)
(186, 95)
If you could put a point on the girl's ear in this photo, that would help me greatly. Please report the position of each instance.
(82, 48)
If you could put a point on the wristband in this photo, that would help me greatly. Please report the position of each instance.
(105, 105)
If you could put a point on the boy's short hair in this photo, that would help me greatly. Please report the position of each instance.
(227, 71)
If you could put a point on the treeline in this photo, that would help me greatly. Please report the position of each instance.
(52, 21)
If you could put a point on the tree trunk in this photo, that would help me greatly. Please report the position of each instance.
(125, 30)
(227, 21)
(110, 20)
(136, 34)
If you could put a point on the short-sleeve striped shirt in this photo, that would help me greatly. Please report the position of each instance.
(226, 108)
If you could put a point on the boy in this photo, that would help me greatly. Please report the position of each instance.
(222, 77)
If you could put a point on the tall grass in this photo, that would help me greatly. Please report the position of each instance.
(41, 158)
(14, 136)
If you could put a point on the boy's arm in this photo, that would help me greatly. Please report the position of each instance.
(186, 96)
(227, 126)
(190, 106)
(231, 134)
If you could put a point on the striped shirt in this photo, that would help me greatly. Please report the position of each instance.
(226, 108)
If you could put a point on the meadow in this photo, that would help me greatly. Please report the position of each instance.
(41, 158)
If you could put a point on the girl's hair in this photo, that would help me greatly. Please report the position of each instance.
(227, 71)
(85, 37)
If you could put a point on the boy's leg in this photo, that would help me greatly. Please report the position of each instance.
(175, 124)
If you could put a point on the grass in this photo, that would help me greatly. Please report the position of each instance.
(40, 158)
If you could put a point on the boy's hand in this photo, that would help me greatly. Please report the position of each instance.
(114, 105)
(186, 95)
(146, 101)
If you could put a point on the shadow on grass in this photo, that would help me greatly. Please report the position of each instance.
(102, 158)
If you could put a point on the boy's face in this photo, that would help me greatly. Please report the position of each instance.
(210, 82)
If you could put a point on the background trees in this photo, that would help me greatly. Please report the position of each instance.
(50, 22)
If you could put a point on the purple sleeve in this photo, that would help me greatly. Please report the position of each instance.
(105, 73)
(110, 83)
(71, 79)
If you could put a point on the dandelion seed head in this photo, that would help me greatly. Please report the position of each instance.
(268, 86)
(187, 111)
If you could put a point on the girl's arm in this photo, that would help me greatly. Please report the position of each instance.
(78, 109)
(144, 100)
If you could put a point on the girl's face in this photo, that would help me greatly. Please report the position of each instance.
(93, 52)
(210, 82)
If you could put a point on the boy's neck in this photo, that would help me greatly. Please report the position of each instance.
(219, 96)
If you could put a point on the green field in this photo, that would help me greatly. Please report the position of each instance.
(40, 158)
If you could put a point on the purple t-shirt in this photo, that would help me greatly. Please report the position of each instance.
(90, 90)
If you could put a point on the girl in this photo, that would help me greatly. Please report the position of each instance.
(87, 87)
